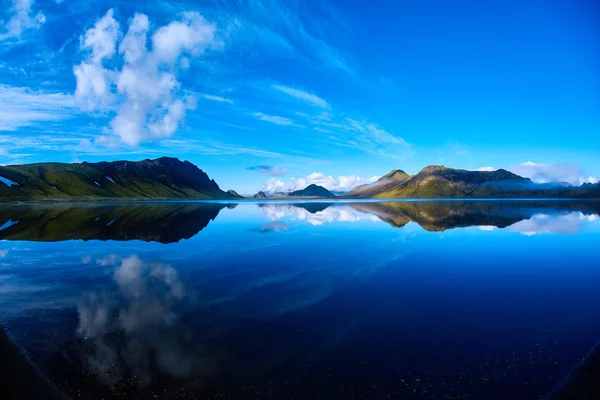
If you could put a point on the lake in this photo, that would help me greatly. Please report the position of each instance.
(306, 300)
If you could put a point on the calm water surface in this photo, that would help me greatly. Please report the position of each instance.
(402, 300)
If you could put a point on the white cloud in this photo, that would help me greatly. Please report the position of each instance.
(192, 35)
(301, 95)
(340, 183)
(274, 185)
(486, 169)
(22, 19)
(589, 179)
(144, 95)
(21, 107)
(274, 119)
(545, 173)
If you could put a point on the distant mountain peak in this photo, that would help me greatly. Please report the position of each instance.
(312, 190)
(394, 175)
(260, 195)
(234, 193)
(433, 168)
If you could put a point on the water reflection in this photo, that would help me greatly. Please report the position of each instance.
(172, 222)
(316, 213)
(157, 222)
(527, 217)
(442, 215)
(334, 293)
(568, 223)
(148, 329)
(142, 310)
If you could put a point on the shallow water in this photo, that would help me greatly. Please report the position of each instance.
(406, 300)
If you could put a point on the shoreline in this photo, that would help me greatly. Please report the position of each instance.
(294, 200)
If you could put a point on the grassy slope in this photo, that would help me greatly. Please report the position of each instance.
(57, 181)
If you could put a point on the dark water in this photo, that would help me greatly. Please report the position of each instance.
(403, 300)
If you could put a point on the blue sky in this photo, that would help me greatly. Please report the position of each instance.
(277, 94)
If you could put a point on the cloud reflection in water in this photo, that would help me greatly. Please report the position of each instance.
(135, 326)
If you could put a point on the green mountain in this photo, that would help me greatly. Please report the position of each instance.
(387, 182)
(162, 178)
(312, 191)
(441, 182)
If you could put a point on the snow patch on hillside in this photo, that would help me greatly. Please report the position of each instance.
(8, 182)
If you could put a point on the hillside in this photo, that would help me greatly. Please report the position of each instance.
(387, 182)
(441, 182)
(312, 191)
(162, 178)
(234, 194)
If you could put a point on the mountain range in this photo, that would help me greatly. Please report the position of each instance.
(168, 178)
(441, 182)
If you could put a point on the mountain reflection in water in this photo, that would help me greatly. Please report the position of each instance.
(172, 222)
(157, 222)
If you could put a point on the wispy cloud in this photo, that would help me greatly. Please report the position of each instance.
(358, 134)
(302, 95)
(21, 107)
(217, 98)
(204, 147)
(486, 169)
(21, 20)
(269, 170)
(283, 28)
(274, 119)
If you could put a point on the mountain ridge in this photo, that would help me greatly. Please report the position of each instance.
(162, 178)
(438, 181)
